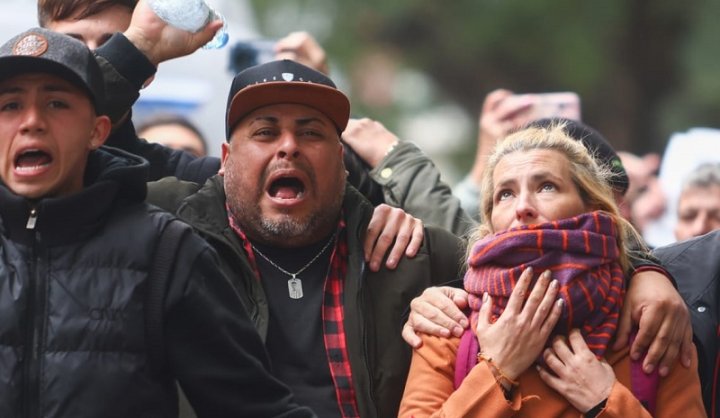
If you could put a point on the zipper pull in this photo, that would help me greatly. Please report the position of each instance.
(32, 220)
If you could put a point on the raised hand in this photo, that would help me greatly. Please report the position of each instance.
(370, 139)
(303, 48)
(160, 41)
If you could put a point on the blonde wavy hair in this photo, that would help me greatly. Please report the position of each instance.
(592, 180)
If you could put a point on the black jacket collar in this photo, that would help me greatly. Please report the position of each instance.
(112, 177)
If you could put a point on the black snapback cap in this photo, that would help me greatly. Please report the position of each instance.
(45, 51)
(281, 82)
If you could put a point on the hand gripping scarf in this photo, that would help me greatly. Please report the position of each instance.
(581, 253)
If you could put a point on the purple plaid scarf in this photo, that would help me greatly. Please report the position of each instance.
(581, 253)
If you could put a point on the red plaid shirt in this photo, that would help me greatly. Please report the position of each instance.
(333, 314)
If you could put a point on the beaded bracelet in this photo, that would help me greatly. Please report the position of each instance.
(497, 371)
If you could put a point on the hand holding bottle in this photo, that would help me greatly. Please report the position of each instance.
(160, 41)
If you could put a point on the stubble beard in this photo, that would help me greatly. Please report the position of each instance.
(286, 230)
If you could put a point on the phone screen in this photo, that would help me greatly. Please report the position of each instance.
(552, 105)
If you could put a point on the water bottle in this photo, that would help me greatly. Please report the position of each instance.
(192, 16)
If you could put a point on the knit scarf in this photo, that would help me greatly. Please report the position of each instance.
(582, 254)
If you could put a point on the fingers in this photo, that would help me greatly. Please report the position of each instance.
(353, 129)
(560, 354)
(662, 320)
(435, 312)
(494, 98)
(553, 362)
(683, 332)
(578, 344)
(549, 379)
(540, 302)
(665, 346)
(379, 236)
(485, 313)
(687, 348)
(459, 297)
(453, 310)
(402, 235)
(649, 327)
(553, 318)
(537, 293)
(666, 359)
(370, 139)
(391, 229)
(416, 239)
(374, 229)
(410, 337)
(494, 120)
(417, 233)
(517, 297)
(303, 48)
(508, 109)
(624, 326)
(561, 349)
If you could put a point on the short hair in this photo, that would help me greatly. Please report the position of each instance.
(703, 177)
(52, 10)
(591, 179)
(163, 119)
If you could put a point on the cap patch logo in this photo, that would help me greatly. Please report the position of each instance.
(288, 76)
(31, 45)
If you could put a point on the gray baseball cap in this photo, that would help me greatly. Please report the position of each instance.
(45, 51)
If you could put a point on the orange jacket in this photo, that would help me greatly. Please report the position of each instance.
(429, 390)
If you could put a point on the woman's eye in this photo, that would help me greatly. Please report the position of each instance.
(503, 195)
(548, 187)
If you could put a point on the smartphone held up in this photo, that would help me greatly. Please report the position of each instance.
(549, 105)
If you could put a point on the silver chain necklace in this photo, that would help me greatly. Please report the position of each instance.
(295, 290)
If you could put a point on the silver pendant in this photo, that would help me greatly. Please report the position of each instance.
(295, 288)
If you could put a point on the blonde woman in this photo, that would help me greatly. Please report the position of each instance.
(546, 282)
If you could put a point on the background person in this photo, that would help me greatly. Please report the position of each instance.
(175, 132)
(698, 208)
(644, 200)
(92, 22)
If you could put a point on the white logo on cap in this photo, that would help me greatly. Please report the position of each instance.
(288, 76)
(32, 45)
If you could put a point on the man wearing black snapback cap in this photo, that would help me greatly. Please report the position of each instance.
(290, 231)
(77, 245)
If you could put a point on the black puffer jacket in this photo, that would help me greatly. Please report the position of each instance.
(695, 264)
(72, 334)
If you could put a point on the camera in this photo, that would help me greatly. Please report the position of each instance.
(549, 105)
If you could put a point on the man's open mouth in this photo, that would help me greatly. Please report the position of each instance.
(287, 188)
(32, 159)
